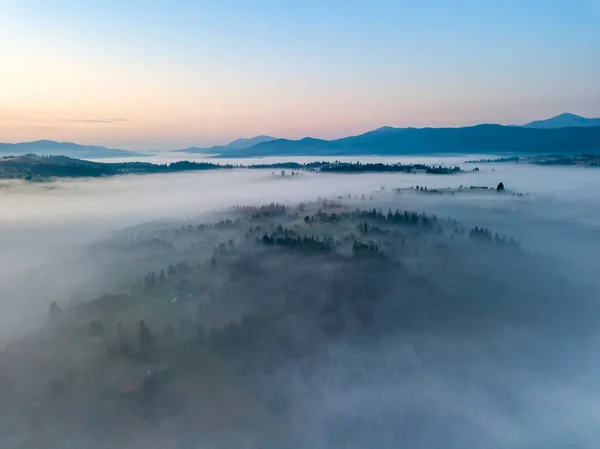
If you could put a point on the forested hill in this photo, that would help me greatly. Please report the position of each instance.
(32, 167)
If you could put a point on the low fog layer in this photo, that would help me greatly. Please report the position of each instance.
(515, 381)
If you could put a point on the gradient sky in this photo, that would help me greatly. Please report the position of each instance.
(155, 75)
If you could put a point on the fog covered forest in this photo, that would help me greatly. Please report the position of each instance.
(388, 314)
(299, 225)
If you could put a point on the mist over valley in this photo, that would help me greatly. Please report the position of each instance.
(295, 311)
(299, 225)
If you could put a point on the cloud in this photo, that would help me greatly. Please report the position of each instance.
(109, 120)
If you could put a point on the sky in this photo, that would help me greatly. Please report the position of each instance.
(156, 75)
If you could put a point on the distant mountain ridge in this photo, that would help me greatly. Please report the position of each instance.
(51, 147)
(387, 141)
(564, 134)
(565, 120)
(237, 144)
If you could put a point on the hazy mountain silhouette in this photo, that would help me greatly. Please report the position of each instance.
(51, 147)
(565, 120)
(472, 139)
(237, 144)
(564, 134)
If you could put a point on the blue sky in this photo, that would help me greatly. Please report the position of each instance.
(162, 75)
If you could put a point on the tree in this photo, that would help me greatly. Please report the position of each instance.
(147, 345)
(162, 275)
(55, 314)
(500, 187)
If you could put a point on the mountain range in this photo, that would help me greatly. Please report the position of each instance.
(488, 139)
(51, 147)
(238, 144)
(563, 134)
(565, 120)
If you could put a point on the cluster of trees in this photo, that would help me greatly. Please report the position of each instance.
(290, 239)
(324, 217)
(361, 249)
(358, 167)
(280, 303)
(441, 170)
(32, 165)
(178, 268)
(485, 235)
(500, 159)
(152, 280)
(405, 217)
(131, 244)
(365, 228)
(589, 160)
(262, 211)
(225, 223)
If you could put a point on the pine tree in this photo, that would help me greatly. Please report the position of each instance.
(147, 345)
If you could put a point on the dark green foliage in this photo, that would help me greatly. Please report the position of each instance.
(290, 239)
(587, 160)
(31, 165)
(500, 159)
(358, 167)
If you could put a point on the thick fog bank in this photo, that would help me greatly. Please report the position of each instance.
(43, 227)
(463, 376)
